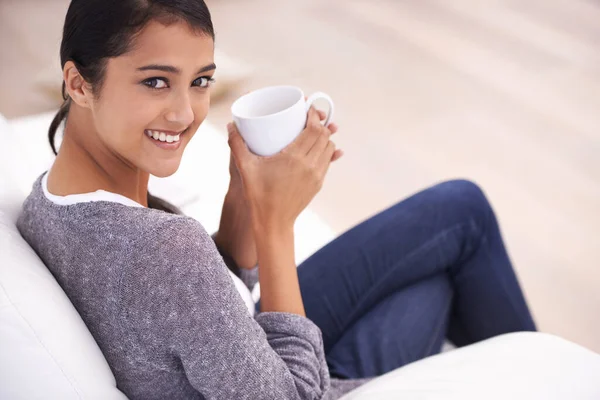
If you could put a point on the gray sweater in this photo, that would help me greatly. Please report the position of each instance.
(156, 296)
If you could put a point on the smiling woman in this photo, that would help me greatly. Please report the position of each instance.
(153, 286)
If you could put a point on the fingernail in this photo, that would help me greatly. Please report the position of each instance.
(230, 128)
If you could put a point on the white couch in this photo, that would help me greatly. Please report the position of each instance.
(46, 351)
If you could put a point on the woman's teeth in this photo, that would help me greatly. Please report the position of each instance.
(163, 137)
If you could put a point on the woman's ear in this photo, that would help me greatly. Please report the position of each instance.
(77, 88)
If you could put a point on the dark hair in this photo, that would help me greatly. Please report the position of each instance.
(96, 30)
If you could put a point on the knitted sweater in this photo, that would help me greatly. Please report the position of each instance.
(157, 297)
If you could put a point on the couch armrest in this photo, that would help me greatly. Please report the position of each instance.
(525, 365)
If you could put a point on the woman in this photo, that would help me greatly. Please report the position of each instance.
(152, 285)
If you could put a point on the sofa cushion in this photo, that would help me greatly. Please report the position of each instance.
(11, 193)
(31, 154)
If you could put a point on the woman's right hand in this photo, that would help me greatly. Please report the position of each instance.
(279, 187)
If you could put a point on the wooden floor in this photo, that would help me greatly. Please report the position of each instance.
(503, 92)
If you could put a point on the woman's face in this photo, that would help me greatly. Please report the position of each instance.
(155, 97)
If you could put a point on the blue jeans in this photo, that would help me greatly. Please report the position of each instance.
(390, 290)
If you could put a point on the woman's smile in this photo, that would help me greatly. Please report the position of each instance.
(167, 140)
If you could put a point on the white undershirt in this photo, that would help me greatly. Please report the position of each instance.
(103, 195)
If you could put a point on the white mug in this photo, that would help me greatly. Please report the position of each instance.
(271, 118)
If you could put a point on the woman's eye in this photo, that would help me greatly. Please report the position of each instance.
(203, 81)
(156, 83)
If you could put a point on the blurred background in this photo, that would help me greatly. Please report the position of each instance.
(502, 92)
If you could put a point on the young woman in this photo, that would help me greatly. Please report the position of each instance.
(152, 285)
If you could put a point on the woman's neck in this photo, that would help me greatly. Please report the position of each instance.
(84, 165)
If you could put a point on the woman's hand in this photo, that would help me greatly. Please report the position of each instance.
(279, 187)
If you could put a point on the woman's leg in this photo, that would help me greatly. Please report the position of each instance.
(399, 270)
(407, 326)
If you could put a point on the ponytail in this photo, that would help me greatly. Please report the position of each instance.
(59, 117)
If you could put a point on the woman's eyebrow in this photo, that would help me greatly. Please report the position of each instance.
(174, 70)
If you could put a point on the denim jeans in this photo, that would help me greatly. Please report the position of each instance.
(390, 290)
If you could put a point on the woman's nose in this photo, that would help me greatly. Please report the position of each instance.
(181, 111)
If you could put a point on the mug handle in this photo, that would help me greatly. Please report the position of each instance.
(320, 95)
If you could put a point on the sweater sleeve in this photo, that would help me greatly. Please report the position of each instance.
(179, 298)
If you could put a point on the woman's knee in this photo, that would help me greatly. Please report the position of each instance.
(465, 198)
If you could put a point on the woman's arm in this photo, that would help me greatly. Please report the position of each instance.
(180, 299)
(235, 237)
(277, 189)
(274, 246)
(280, 289)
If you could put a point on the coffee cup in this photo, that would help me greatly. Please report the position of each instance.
(271, 118)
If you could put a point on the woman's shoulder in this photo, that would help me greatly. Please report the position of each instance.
(94, 220)
(179, 232)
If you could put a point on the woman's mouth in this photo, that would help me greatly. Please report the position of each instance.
(165, 139)
(163, 136)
